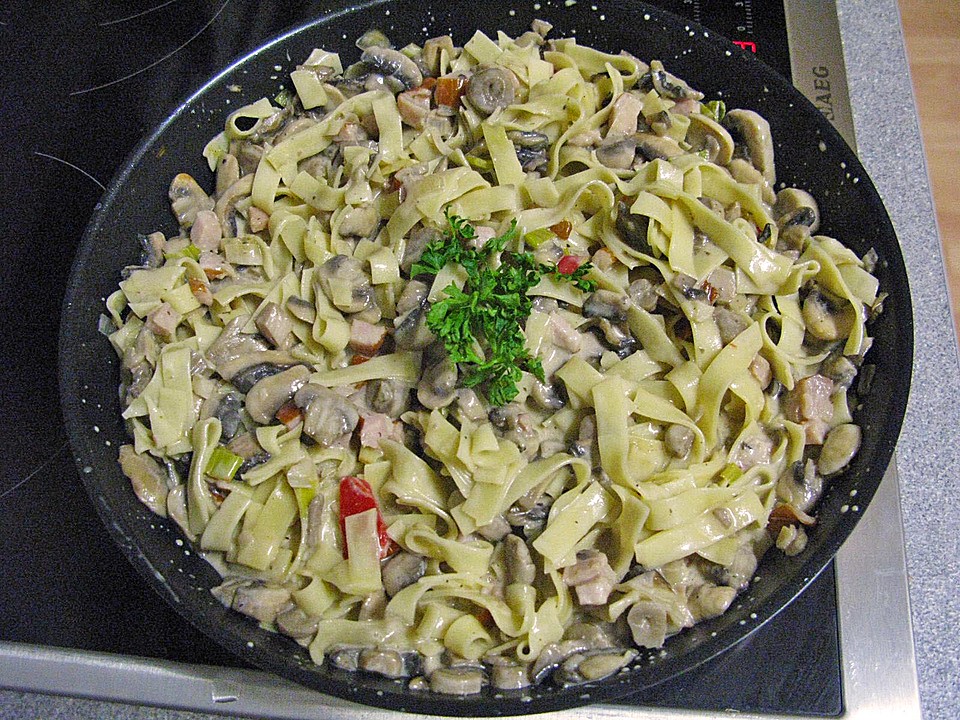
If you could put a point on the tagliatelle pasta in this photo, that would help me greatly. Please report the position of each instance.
(492, 364)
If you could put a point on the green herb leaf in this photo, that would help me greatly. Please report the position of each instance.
(481, 325)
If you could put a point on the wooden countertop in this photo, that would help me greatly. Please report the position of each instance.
(932, 33)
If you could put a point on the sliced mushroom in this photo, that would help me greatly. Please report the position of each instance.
(187, 198)
(828, 317)
(632, 228)
(588, 667)
(753, 131)
(226, 206)
(402, 570)
(508, 675)
(148, 480)
(647, 621)
(297, 624)
(555, 653)
(606, 304)
(839, 448)
(393, 63)
(668, 85)
(800, 485)
(415, 244)
(796, 207)
(709, 601)
(618, 153)
(245, 379)
(260, 601)
(345, 283)
(388, 663)
(730, 323)
(269, 394)
(705, 133)
(517, 562)
(228, 413)
(462, 680)
(653, 146)
(329, 416)
(438, 384)
(492, 88)
(390, 397)
(547, 396)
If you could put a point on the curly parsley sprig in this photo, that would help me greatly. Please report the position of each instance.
(481, 325)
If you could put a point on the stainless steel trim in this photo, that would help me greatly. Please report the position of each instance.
(816, 61)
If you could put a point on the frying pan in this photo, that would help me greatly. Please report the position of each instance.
(810, 155)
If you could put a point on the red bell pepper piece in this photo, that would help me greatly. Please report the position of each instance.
(356, 496)
(568, 264)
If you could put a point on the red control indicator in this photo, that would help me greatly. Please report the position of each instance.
(746, 45)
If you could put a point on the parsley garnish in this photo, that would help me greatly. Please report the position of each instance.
(481, 325)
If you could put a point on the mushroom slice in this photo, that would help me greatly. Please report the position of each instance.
(187, 198)
(438, 383)
(343, 280)
(797, 207)
(328, 415)
(393, 63)
(653, 146)
(149, 482)
(839, 448)
(402, 570)
(670, 86)
(226, 206)
(492, 88)
(462, 680)
(705, 133)
(269, 394)
(617, 153)
(588, 667)
(753, 131)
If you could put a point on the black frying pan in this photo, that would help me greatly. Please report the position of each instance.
(810, 154)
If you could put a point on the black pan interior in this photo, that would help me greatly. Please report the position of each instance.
(810, 155)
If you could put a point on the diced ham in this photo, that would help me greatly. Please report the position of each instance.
(214, 266)
(810, 405)
(760, 369)
(274, 324)
(206, 231)
(483, 236)
(366, 338)
(351, 133)
(257, 219)
(374, 427)
(624, 115)
(163, 321)
(755, 450)
(563, 335)
(591, 577)
(201, 291)
(414, 106)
